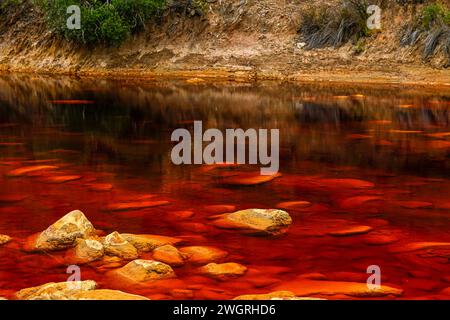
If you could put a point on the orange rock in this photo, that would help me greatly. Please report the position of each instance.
(305, 287)
(106, 294)
(4, 239)
(249, 179)
(136, 205)
(62, 179)
(149, 242)
(169, 255)
(294, 205)
(203, 255)
(145, 270)
(223, 271)
(358, 201)
(26, 170)
(356, 230)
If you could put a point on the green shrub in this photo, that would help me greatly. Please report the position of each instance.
(107, 22)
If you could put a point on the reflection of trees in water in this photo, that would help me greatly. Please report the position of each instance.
(314, 120)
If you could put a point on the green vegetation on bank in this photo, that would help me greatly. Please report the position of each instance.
(432, 27)
(107, 22)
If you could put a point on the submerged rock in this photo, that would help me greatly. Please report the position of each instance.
(106, 294)
(249, 179)
(294, 205)
(27, 170)
(62, 179)
(135, 205)
(351, 231)
(146, 270)
(64, 232)
(170, 255)
(305, 287)
(358, 201)
(4, 239)
(116, 245)
(223, 271)
(203, 255)
(271, 222)
(277, 295)
(149, 242)
(56, 291)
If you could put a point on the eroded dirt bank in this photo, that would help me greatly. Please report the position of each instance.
(234, 40)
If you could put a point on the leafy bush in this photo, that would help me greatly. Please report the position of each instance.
(325, 25)
(107, 22)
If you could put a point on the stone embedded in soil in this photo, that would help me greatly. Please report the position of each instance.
(358, 201)
(270, 222)
(135, 205)
(351, 231)
(417, 246)
(106, 294)
(223, 271)
(203, 255)
(30, 169)
(116, 245)
(56, 291)
(294, 205)
(149, 242)
(169, 255)
(88, 250)
(146, 270)
(64, 232)
(62, 179)
(249, 179)
(4, 239)
(305, 287)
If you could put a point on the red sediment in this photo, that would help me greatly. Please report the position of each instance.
(126, 206)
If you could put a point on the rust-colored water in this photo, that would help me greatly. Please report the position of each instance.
(116, 136)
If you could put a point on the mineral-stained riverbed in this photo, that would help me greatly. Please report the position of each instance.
(364, 176)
